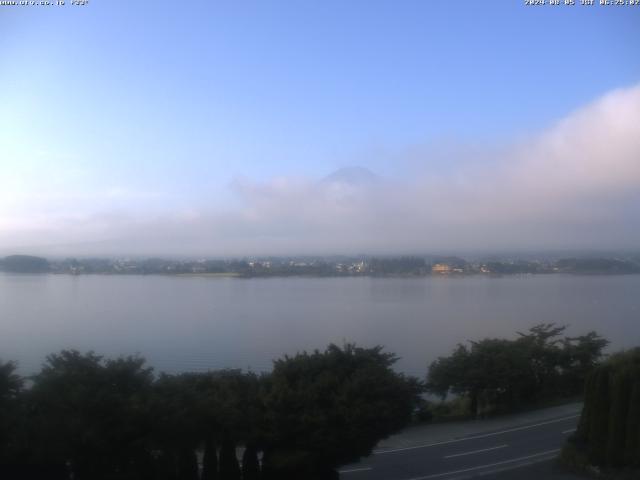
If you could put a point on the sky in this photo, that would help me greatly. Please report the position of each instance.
(253, 128)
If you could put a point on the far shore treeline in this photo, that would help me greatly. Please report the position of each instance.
(321, 266)
(84, 416)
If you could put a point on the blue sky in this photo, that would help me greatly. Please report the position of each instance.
(141, 108)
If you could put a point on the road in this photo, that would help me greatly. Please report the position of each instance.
(481, 453)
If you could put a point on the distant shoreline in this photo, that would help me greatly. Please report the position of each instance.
(361, 266)
(309, 275)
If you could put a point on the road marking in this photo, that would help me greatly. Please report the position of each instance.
(353, 470)
(571, 430)
(489, 465)
(475, 437)
(476, 451)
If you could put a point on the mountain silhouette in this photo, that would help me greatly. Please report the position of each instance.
(354, 176)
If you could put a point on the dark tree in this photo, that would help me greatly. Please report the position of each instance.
(579, 357)
(609, 431)
(250, 464)
(599, 422)
(11, 414)
(177, 429)
(188, 464)
(501, 374)
(10, 382)
(330, 408)
(229, 466)
(210, 461)
(86, 417)
(449, 373)
(632, 440)
(620, 394)
(90, 414)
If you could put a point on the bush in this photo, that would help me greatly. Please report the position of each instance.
(609, 430)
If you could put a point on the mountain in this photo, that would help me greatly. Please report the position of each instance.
(354, 176)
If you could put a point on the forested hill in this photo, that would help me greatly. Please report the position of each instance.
(24, 264)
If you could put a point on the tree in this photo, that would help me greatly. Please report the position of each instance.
(10, 382)
(91, 414)
(229, 466)
(187, 464)
(10, 413)
(88, 417)
(501, 374)
(178, 426)
(620, 393)
(210, 460)
(608, 433)
(216, 408)
(330, 408)
(250, 464)
(492, 371)
(580, 355)
(542, 346)
(632, 440)
(449, 373)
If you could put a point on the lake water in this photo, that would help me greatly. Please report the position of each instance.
(197, 323)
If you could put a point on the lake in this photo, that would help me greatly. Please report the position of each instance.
(199, 323)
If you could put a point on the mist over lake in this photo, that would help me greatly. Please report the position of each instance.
(200, 323)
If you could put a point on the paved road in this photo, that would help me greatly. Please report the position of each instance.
(482, 453)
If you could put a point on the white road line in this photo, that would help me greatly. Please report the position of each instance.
(475, 437)
(353, 470)
(476, 451)
(571, 430)
(489, 465)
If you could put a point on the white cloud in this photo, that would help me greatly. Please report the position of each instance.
(574, 185)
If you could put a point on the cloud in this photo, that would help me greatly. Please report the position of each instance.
(575, 184)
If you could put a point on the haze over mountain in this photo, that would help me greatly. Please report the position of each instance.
(352, 176)
(575, 184)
